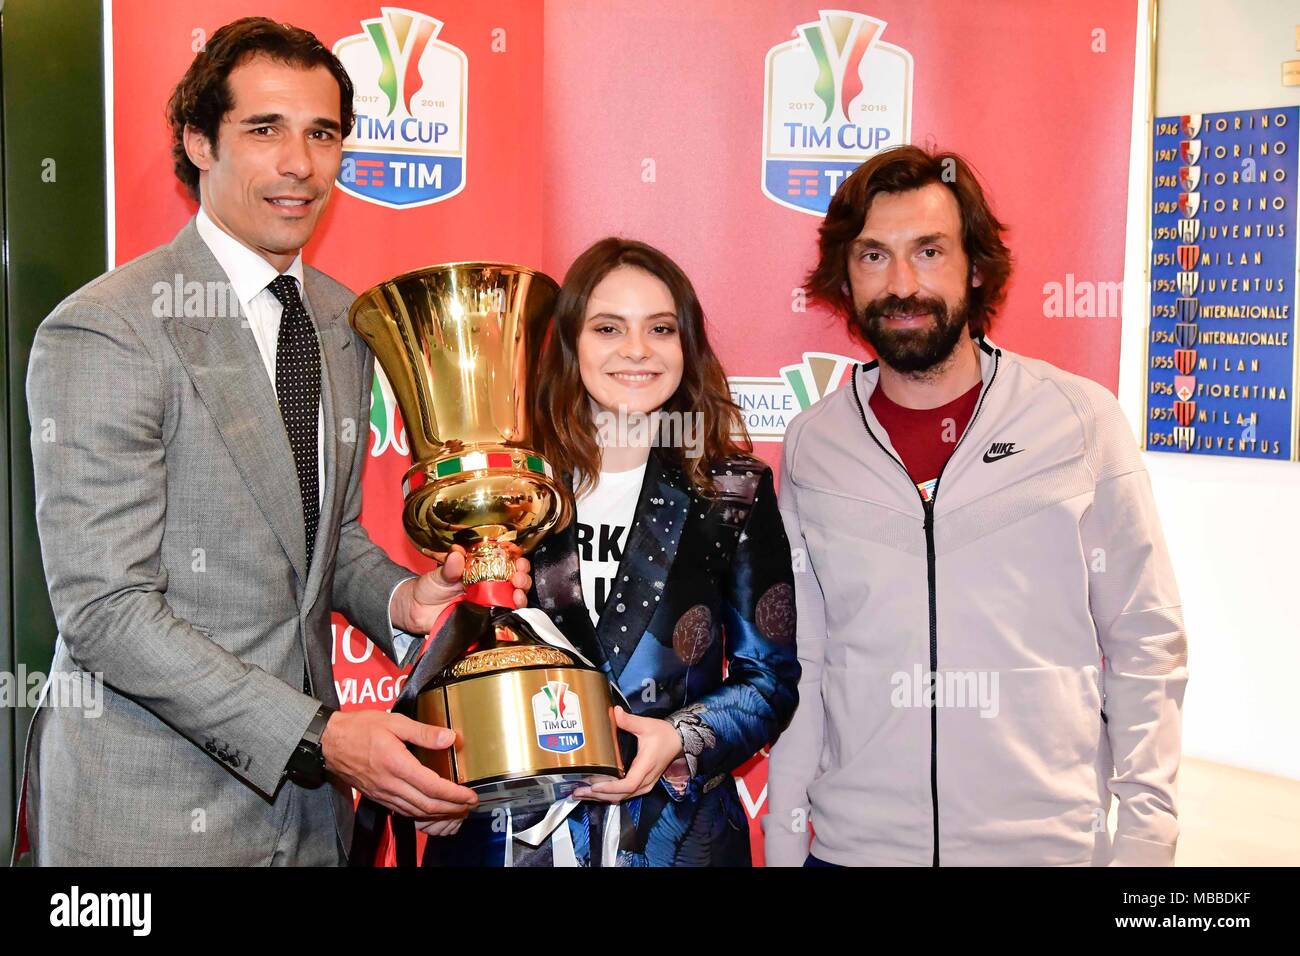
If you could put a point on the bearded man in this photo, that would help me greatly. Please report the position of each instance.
(990, 632)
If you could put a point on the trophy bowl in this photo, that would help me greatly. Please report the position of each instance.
(456, 343)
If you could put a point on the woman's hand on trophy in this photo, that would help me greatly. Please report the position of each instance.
(367, 750)
(658, 744)
(417, 603)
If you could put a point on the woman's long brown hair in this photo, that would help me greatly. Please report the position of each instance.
(563, 428)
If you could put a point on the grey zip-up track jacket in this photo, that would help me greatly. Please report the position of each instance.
(1037, 590)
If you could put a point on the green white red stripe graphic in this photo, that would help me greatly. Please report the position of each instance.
(481, 461)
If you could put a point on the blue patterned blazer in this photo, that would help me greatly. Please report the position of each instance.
(703, 588)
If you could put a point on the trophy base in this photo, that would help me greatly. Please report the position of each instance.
(526, 736)
(534, 793)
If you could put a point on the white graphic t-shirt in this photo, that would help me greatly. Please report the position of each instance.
(604, 518)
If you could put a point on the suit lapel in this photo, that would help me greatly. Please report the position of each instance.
(661, 513)
(221, 357)
(337, 382)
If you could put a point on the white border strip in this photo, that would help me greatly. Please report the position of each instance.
(1136, 309)
(110, 174)
(1295, 322)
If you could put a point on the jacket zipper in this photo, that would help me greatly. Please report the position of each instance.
(928, 526)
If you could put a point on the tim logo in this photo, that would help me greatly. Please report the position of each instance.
(408, 146)
(557, 716)
(833, 96)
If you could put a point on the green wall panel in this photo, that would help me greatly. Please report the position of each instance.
(51, 78)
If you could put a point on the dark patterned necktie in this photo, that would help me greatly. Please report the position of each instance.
(297, 387)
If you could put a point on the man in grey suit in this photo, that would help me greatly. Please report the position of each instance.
(198, 496)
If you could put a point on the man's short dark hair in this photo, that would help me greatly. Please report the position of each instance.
(899, 170)
(202, 98)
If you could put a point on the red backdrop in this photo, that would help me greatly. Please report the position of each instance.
(610, 116)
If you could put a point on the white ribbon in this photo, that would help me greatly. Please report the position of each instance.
(538, 620)
(555, 825)
(558, 812)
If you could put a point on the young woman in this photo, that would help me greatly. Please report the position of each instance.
(674, 577)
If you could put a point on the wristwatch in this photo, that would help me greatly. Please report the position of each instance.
(307, 764)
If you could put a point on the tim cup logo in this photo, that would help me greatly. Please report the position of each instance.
(408, 146)
(557, 717)
(833, 96)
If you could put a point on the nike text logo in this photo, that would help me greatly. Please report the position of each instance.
(1001, 449)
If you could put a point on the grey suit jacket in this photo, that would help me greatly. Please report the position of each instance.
(172, 537)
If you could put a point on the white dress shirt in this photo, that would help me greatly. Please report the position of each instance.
(249, 276)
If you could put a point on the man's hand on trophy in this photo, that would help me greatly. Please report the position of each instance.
(367, 750)
(439, 827)
(418, 602)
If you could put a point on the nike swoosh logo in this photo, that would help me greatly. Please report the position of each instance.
(1000, 457)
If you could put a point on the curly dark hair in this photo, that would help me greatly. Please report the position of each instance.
(202, 98)
(903, 169)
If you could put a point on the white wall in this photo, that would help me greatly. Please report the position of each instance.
(1233, 525)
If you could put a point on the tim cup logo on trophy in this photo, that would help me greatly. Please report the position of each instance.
(534, 719)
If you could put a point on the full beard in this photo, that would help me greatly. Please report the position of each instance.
(916, 351)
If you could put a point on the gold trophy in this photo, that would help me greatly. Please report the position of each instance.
(533, 721)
